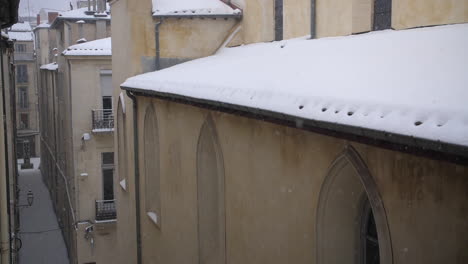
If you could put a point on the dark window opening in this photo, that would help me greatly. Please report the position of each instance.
(24, 121)
(382, 15)
(23, 98)
(108, 175)
(369, 238)
(22, 73)
(278, 19)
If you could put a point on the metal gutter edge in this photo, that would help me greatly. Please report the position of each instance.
(407, 144)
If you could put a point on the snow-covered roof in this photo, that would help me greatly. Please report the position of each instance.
(411, 82)
(80, 13)
(50, 67)
(43, 25)
(100, 47)
(21, 35)
(191, 8)
(24, 26)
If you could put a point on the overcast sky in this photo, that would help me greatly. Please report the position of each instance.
(36, 5)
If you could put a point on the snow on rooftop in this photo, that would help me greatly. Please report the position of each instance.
(100, 47)
(192, 7)
(24, 26)
(21, 35)
(43, 25)
(410, 82)
(51, 66)
(79, 13)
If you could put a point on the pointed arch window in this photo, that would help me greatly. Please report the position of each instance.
(210, 197)
(351, 217)
(152, 173)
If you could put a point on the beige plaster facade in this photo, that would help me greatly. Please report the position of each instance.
(27, 108)
(79, 148)
(77, 137)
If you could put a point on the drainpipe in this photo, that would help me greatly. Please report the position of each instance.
(158, 51)
(137, 174)
(5, 245)
(313, 20)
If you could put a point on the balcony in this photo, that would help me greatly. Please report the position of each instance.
(103, 120)
(105, 211)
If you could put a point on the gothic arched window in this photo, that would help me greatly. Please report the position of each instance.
(210, 197)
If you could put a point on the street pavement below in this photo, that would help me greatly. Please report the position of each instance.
(42, 240)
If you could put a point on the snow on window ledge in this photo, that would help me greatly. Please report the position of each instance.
(123, 184)
(154, 218)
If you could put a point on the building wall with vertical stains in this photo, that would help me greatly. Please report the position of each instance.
(273, 180)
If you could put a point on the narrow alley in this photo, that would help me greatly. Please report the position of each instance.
(42, 241)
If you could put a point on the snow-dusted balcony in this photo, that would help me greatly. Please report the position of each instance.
(105, 211)
(103, 120)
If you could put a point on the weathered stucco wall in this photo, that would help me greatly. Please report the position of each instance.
(273, 177)
(193, 38)
(296, 16)
(417, 13)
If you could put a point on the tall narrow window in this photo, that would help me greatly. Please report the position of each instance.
(152, 174)
(22, 73)
(278, 19)
(24, 121)
(20, 47)
(108, 175)
(23, 102)
(106, 92)
(210, 197)
(382, 14)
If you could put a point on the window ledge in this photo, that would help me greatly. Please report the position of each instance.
(123, 184)
(154, 218)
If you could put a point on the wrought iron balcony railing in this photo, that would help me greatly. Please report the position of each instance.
(105, 210)
(103, 120)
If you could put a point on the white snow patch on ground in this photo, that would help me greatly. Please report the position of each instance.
(410, 82)
(100, 47)
(191, 7)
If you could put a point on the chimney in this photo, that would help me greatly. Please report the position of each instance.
(52, 16)
(89, 5)
(38, 19)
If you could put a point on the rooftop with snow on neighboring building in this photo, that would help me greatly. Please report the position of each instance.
(22, 26)
(409, 83)
(100, 47)
(190, 8)
(21, 35)
(81, 14)
(50, 67)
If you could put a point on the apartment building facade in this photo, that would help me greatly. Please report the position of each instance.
(210, 171)
(77, 127)
(9, 214)
(26, 91)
